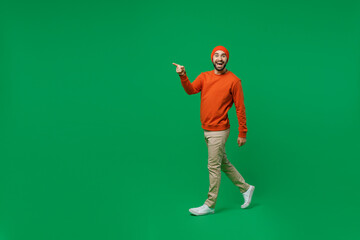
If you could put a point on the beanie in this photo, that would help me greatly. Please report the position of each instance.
(222, 49)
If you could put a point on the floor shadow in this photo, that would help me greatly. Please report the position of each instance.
(228, 209)
(221, 210)
(225, 209)
(253, 205)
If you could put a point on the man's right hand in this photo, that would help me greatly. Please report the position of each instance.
(180, 69)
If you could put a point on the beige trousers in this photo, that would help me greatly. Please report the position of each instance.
(217, 162)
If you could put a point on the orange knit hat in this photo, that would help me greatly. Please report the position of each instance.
(222, 49)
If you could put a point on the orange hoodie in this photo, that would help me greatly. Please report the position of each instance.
(218, 93)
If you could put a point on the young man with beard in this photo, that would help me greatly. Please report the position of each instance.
(219, 88)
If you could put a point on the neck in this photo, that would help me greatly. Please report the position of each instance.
(220, 72)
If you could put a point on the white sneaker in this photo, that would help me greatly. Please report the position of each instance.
(203, 210)
(247, 196)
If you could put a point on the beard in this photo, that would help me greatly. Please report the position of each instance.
(221, 68)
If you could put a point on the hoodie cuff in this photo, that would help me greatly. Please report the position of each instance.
(183, 77)
(242, 134)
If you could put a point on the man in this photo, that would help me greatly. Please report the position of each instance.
(219, 88)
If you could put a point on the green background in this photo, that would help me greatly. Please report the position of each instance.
(98, 139)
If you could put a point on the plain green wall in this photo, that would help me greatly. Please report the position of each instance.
(98, 139)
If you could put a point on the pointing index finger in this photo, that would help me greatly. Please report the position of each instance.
(176, 64)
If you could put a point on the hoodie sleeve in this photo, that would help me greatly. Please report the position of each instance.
(195, 86)
(238, 98)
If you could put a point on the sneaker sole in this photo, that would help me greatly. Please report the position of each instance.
(250, 197)
(200, 214)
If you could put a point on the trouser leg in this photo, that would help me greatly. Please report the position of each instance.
(233, 174)
(215, 141)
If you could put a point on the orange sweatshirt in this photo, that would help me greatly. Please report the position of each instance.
(218, 93)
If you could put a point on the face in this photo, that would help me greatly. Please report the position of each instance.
(219, 60)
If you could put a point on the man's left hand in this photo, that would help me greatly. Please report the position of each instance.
(241, 141)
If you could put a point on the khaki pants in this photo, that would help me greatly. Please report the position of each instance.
(217, 162)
